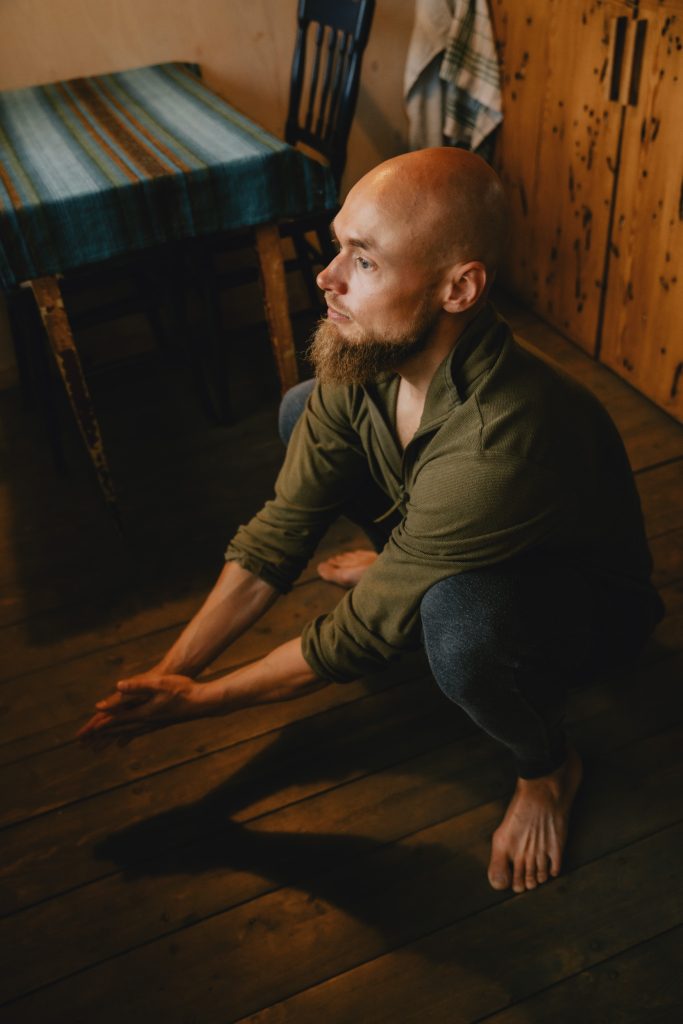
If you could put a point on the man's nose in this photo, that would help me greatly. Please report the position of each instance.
(329, 279)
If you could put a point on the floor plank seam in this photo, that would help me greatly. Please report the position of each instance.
(576, 974)
(204, 755)
(245, 821)
(133, 638)
(671, 727)
(332, 788)
(409, 680)
(75, 722)
(663, 655)
(496, 902)
(658, 465)
(233, 906)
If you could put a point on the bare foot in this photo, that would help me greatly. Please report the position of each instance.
(347, 568)
(527, 845)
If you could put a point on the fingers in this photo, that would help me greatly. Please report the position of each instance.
(128, 693)
(116, 713)
(103, 731)
(139, 704)
(92, 725)
(138, 688)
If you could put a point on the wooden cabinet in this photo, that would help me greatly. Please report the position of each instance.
(642, 333)
(591, 152)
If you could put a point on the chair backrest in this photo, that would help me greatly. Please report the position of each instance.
(322, 103)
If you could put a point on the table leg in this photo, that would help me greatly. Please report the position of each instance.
(49, 299)
(276, 303)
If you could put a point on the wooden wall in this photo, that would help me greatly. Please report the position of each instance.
(591, 152)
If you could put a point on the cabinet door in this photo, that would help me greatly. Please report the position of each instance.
(576, 166)
(558, 154)
(642, 333)
(520, 28)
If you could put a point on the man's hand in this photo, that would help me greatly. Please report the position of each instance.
(141, 704)
(158, 698)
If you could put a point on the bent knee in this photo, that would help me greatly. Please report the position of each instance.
(462, 615)
(292, 405)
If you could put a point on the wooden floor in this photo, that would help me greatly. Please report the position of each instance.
(322, 860)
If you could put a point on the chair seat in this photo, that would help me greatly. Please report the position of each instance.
(97, 167)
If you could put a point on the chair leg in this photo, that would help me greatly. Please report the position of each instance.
(48, 296)
(29, 331)
(214, 341)
(276, 303)
(304, 258)
(20, 343)
(326, 247)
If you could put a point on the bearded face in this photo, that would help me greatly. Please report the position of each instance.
(362, 357)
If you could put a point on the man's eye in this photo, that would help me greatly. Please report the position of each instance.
(363, 263)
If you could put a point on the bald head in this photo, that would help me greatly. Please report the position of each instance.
(449, 200)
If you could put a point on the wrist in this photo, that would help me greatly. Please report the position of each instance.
(207, 698)
(171, 665)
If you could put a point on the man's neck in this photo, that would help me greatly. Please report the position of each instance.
(417, 373)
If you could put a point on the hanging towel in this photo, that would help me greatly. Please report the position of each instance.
(452, 79)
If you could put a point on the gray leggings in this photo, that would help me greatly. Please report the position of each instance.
(506, 642)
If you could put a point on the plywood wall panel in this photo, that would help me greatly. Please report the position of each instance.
(576, 167)
(642, 337)
(521, 29)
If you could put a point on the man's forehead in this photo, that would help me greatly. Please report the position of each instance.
(365, 223)
(358, 239)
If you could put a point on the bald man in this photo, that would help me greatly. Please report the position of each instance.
(507, 533)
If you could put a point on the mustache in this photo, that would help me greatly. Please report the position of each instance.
(338, 309)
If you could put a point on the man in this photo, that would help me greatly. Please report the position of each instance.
(497, 493)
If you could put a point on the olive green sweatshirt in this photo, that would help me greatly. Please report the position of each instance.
(510, 455)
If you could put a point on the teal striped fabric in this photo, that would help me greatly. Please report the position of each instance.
(96, 167)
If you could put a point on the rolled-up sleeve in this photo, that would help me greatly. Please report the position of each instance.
(324, 458)
(463, 515)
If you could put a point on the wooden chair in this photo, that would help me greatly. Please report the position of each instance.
(321, 108)
(325, 76)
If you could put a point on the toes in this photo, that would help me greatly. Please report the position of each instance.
(542, 870)
(519, 877)
(499, 869)
(555, 857)
(499, 880)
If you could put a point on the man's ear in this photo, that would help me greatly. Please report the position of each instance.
(465, 286)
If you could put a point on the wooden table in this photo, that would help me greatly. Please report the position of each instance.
(94, 168)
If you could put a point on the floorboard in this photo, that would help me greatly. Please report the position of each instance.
(322, 859)
(642, 984)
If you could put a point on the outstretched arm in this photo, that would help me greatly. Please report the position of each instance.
(149, 702)
(237, 601)
(167, 692)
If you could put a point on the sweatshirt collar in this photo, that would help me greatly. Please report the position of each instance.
(475, 352)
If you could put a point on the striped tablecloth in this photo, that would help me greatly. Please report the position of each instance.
(96, 167)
